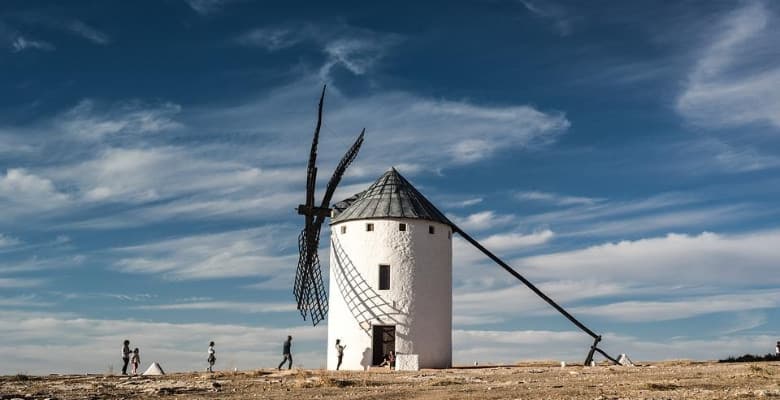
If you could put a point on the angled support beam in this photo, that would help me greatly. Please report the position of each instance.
(521, 278)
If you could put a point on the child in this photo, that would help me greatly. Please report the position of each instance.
(212, 357)
(135, 360)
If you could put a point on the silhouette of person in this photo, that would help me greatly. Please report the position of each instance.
(212, 358)
(339, 352)
(125, 356)
(287, 354)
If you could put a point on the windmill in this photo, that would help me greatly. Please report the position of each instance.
(394, 208)
(309, 289)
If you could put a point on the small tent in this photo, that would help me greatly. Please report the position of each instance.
(154, 369)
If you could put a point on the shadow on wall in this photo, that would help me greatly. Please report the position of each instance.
(367, 358)
(364, 303)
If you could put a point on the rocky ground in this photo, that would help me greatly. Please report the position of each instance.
(668, 380)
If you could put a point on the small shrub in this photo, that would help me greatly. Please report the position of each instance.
(662, 386)
(751, 358)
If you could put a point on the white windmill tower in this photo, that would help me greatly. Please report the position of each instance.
(390, 270)
(390, 277)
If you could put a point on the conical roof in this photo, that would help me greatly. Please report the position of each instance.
(391, 196)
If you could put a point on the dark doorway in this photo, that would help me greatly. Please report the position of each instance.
(384, 342)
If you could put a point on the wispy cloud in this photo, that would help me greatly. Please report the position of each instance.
(243, 253)
(356, 50)
(275, 38)
(22, 43)
(706, 258)
(686, 307)
(556, 199)
(87, 32)
(732, 81)
(513, 241)
(20, 283)
(483, 220)
(207, 7)
(8, 241)
(226, 306)
(561, 17)
(90, 121)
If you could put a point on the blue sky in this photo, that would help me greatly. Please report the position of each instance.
(622, 155)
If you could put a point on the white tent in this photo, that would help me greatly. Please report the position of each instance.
(154, 369)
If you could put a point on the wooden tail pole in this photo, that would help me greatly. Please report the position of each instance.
(593, 348)
(596, 337)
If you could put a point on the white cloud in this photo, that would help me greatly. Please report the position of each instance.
(24, 193)
(482, 220)
(733, 81)
(650, 311)
(229, 306)
(356, 54)
(556, 199)
(507, 242)
(243, 253)
(561, 18)
(275, 38)
(506, 298)
(674, 259)
(670, 220)
(462, 203)
(90, 121)
(8, 241)
(206, 7)
(23, 283)
(21, 43)
(81, 29)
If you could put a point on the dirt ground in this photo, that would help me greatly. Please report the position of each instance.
(667, 380)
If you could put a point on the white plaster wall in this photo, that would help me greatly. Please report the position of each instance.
(419, 302)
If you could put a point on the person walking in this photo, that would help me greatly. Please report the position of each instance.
(135, 360)
(287, 354)
(212, 357)
(125, 356)
(339, 352)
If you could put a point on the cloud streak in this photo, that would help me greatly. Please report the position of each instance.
(730, 84)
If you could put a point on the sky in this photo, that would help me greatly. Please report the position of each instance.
(623, 156)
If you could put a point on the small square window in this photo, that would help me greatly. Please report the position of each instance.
(431, 229)
(402, 227)
(370, 227)
(449, 235)
(343, 230)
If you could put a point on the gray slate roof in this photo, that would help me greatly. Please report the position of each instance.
(391, 196)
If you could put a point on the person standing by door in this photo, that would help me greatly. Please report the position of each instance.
(339, 352)
(287, 354)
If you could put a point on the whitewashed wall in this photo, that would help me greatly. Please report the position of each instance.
(419, 301)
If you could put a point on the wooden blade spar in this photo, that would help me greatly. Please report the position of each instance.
(309, 288)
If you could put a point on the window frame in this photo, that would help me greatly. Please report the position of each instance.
(384, 271)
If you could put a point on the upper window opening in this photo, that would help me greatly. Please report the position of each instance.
(431, 229)
(343, 230)
(402, 227)
(370, 227)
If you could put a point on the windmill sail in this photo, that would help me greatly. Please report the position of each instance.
(309, 288)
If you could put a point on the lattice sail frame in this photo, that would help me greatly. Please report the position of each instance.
(309, 288)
